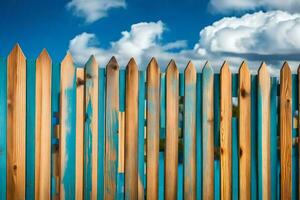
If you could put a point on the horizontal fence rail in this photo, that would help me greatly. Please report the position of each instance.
(70, 132)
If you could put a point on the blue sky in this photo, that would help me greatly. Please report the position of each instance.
(197, 30)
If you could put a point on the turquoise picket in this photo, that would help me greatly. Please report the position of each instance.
(295, 155)
(162, 136)
(217, 173)
(199, 137)
(141, 132)
(3, 126)
(235, 145)
(101, 132)
(235, 159)
(90, 126)
(273, 137)
(189, 133)
(122, 99)
(30, 129)
(68, 124)
(55, 94)
(254, 154)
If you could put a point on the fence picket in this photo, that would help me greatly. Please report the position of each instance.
(16, 123)
(131, 131)
(264, 91)
(171, 148)
(226, 132)
(3, 125)
(245, 131)
(43, 126)
(101, 132)
(67, 128)
(111, 129)
(80, 113)
(208, 132)
(286, 132)
(91, 129)
(153, 109)
(189, 134)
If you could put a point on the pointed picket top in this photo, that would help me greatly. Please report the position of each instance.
(172, 68)
(44, 60)
(263, 72)
(17, 53)
(244, 68)
(285, 68)
(91, 67)
(207, 69)
(225, 69)
(67, 61)
(153, 67)
(190, 73)
(112, 64)
(132, 65)
(298, 71)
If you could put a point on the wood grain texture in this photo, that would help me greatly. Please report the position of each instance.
(67, 128)
(286, 132)
(208, 132)
(264, 92)
(80, 113)
(111, 129)
(189, 134)
(121, 143)
(91, 129)
(43, 126)
(131, 131)
(153, 109)
(225, 132)
(3, 126)
(171, 149)
(244, 132)
(16, 123)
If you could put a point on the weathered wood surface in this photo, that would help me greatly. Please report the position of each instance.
(286, 132)
(16, 123)
(189, 134)
(67, 128)
(80, 113)
(264, 92)
(171, 149)
(111, 129)
(208, 132)
(153, 109)
(226, 132)
(131, 131)
(43, 126)
(244, 132)
(91, 129)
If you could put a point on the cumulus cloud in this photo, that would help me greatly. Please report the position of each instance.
(224, 6)
(263, 36)
(93, 10)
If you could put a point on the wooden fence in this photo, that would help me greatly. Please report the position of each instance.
(95, 133)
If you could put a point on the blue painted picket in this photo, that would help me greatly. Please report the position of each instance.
(30, 128)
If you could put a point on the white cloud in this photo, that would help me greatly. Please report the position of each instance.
(272, 37)
(93, 10)
(224, 6)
